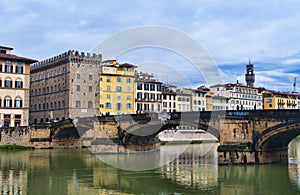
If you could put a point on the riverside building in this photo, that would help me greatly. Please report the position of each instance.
(65, 86)
(279, 100)
(239, 96)
(116, 88)
(148, 93)
(14, 88)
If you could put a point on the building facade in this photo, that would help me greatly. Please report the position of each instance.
(116, 88)
(14, 88)
(220, 103)
(148, 93)
(169, 98)
(65, 86)
(240, 97)
(184, 100)
(279, 100)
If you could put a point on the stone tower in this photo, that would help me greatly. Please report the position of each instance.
(250, 76)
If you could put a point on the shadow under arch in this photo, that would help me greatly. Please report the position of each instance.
(278, 136)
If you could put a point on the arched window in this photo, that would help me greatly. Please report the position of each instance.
(58, 104)
(7, 102)
(51, 105)
(54, 104)
(18, 102)
(0, 82)
(8, 82)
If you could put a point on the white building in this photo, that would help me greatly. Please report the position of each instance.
(14, 88)
(147, 93)
(169, 98)
(240, 97)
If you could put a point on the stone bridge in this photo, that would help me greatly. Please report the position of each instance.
(256, 136)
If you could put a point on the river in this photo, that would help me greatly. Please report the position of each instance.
(195, 171)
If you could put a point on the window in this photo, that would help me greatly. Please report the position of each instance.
(18, 84)
(158, 97)
(18, 103)
(119, 106)
(78, 76)
(146, 86)
(140, 86)
(119, 80)
(146, 96)
(118, 97)
(90, 89)
(128, 80)
(78, 65)
(128, 97)
(107, 88)
(78, 104)
(139, 95)
(119, 89)
(152, 87)
(128, 105)
(78, 87)
(19, 69)
(7, 102)
(101, 79)
(90, 104)
(0, 67)
(108, 96)
(158, 87)
(108, 79)
(128, 89)
(90, 77)
(8, 68)
(108, 105)
(8, 84)
(91, 66)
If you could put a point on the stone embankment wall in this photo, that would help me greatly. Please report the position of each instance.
(37, 137)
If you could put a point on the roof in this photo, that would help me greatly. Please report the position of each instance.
(127, 65)
(281, 93)
(5, 47)
(15, 57)
(147, 81)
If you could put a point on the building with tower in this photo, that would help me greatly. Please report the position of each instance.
(239, 96)
(250, 76)
(65, 86)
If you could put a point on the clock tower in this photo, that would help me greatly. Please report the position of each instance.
(250, 76)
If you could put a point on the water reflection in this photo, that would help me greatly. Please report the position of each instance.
(194, 172)
(196, 168)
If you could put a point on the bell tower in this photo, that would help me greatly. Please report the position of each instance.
(250, 76)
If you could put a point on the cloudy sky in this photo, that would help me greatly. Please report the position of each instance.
(267, 32)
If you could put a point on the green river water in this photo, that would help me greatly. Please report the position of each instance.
(195, 171)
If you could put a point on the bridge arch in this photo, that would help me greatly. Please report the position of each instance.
(278, 136)
(151, 129)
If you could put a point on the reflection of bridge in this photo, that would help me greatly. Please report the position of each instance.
(257, 136)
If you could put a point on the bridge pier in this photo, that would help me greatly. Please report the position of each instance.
(237, 154)
(276, 155)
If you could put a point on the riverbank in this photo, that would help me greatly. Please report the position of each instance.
(14, 147)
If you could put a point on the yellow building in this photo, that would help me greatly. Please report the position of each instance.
(279, 100)
(116, 88)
